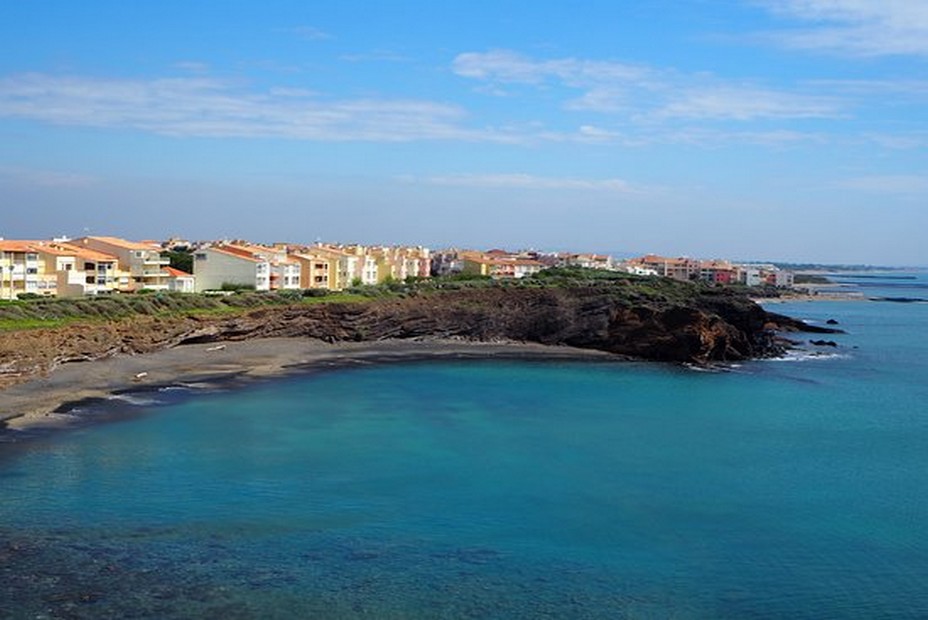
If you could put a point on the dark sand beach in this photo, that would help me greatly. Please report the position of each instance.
(45, 402)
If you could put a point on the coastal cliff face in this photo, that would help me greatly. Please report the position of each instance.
(708, 327)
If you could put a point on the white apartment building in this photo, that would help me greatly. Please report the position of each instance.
(215, 266)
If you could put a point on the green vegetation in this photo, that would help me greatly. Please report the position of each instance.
(53, 312)
(180, 260)
(235, 288)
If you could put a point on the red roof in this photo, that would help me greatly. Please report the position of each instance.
(177, 273)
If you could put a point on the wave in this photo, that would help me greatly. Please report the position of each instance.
(135, 399)
(801, 355)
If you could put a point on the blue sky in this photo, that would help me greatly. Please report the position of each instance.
(750, 129)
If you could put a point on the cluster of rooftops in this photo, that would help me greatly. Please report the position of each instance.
(95, 265)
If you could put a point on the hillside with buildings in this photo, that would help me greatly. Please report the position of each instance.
(95, 265)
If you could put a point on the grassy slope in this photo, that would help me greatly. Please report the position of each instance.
(51, 312)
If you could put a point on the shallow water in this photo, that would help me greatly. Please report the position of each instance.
(497, 489)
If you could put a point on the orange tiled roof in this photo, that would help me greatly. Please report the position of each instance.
(123, 243)
(16, 245)
(177, 273)
(236, 252)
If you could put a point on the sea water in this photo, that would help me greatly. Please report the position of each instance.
(497, 489)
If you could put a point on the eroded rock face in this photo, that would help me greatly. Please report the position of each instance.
(705, 328)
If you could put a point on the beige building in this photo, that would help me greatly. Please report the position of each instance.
(142, 261)
(498, 265)
(19, 269)
(315, 270)
(80, 271)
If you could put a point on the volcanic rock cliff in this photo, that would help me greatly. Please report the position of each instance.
(704, 327)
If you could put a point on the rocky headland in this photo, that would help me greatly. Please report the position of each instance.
(692, 325)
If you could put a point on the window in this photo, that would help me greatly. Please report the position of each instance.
(32, 271)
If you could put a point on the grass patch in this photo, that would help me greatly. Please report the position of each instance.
(29, 323)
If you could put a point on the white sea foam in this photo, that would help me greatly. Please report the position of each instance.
(135, 399)
(800, 355)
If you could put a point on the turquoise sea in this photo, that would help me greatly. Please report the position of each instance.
(794, 488)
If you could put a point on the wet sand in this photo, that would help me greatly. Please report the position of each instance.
(44, 401)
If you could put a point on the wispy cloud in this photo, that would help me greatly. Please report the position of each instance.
(642, 92)
(529, 181)
(200, 106)
(853, 27)
(747, 103)
(899, 141)
(44, 178)
(310, 33)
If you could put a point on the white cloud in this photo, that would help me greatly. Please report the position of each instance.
(200, 106)
(506, 66)
(854, 27)
(747, 103)
(528, 181)
(897, 141)
(310, 33)
(642, 92)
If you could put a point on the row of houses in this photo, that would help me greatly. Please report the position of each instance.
(320, 266)
(713, 271)
(502, 264)
(102, 265)
(85, 266)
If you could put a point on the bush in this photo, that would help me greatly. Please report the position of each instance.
(291, 294)
(315, 292)
(234, 287)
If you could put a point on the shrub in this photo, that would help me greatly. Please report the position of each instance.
(315, 292)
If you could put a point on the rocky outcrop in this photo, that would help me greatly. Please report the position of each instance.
(699, 329)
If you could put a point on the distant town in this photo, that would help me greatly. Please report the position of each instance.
(93, 265)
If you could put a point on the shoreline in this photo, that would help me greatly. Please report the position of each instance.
(47, 403)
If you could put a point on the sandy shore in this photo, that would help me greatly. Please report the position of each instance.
(40, 403)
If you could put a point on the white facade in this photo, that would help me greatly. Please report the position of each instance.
(286, 275)
(784, 278)
(751, 277)
(369, 270)
(214, 267)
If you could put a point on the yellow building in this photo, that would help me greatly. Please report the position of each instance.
(316, 270)
(499, 265)
(141, 261)
(21, 270)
